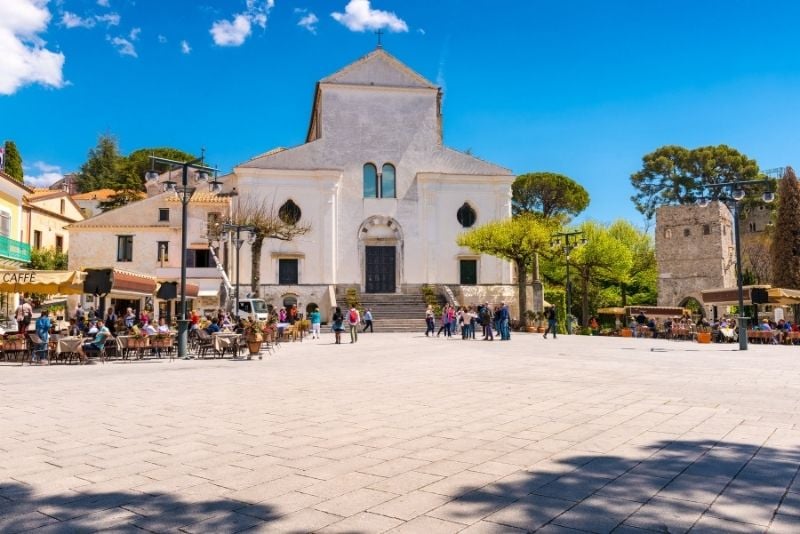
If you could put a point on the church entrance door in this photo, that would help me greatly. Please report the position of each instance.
(380, 269)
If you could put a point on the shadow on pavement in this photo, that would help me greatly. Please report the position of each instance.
(702, 486)
(22, 511)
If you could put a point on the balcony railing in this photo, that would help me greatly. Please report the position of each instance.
(14, 250)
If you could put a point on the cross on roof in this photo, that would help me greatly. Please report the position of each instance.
(379, 32)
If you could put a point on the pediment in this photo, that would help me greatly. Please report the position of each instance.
(381, 69)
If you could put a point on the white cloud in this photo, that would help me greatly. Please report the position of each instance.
(134, 35)
(185, 48)
(23, 56)
(71, 20)
(309, 22)
(42, 175)
(359, 16)
(162, 39)
(110, 19)
(235, 32)
(103, 3)
(123, 46)
(227, 33)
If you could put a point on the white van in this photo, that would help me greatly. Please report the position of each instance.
(253, 309)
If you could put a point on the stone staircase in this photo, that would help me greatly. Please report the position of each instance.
(391, 312)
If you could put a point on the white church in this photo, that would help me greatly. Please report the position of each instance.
(385, 198)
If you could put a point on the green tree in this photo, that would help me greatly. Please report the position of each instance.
(105, 167)
(13, 161)
(603, 258)
(786, 241)
(676, 175)
(517, 240)
(548, 194)
(640, 280)
(48, 259)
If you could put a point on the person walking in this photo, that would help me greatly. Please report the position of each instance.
(429, 321)
(505, 332)
(552, 322)
(43, 332)
(445, 324)
(316, 321)
(338, 324)
(353, 319)
(368, 321)
(24, 315)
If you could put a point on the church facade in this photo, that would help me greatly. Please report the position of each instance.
(384, 197)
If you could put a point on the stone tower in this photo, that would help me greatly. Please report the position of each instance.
(694, 250)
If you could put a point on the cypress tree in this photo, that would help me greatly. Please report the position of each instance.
(13, 163)
(786, 240)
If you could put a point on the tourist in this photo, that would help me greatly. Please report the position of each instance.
(163, 327)
(148, 329)
(466, 321)
(43, 332)
(486, 314)
(282, 315)
(24, 315)
(213, 328)
(130, 318)
(144, 317)
(338, 324)
(98, 343)
(368, 321)
(594, 326)
(111, 321)
(429, 321)
(445, 322)
(552, 321)
(505, 319)
(473, 321)
(353, 320)
(316, 320)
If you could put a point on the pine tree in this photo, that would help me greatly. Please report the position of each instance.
(786, 241)
(13, 163)
(107, 168)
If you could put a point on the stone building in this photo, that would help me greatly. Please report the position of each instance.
(385, 198)
(46, 214)
(695, 252)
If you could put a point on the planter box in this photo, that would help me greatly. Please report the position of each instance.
(626, 332)
(704, 337)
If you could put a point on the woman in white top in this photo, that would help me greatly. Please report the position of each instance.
(163, 328)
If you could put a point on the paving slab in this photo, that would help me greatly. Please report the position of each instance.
(404, 433)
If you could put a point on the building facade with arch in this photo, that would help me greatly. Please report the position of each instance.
(385, 198)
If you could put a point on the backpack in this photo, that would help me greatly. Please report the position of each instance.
(353, 316)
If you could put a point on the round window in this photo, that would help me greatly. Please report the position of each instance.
(290, 212)
(466, 215)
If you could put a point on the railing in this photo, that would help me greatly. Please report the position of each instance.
(14, 250)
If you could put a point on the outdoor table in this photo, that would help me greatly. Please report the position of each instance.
(225, 342)
(68, 347)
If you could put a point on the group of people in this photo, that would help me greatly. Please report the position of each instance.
(354, 321)
(466, 319)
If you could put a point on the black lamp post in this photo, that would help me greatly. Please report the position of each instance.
(235, 231)
(737, 192)
(568, 241)
(185, 191)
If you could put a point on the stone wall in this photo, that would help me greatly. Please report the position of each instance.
(694, 251)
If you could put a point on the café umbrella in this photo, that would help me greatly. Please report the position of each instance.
(43, 282)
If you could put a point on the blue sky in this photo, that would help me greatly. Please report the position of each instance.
(585, 88)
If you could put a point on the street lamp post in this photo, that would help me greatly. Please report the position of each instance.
(185, 191)
(235, 231)
(737, 193)
(568, 241)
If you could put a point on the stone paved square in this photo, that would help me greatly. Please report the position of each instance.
(402, 433)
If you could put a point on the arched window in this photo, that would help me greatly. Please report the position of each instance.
(370, 181)
(466, 215)
(290, 212)
(388, 189)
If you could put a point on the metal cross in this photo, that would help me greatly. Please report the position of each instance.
(379, 32)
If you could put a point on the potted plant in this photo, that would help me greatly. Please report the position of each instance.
(161, 341)
(530, 315)
(14, 342)
(254, 336)
(703, 334)
(137, 340)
